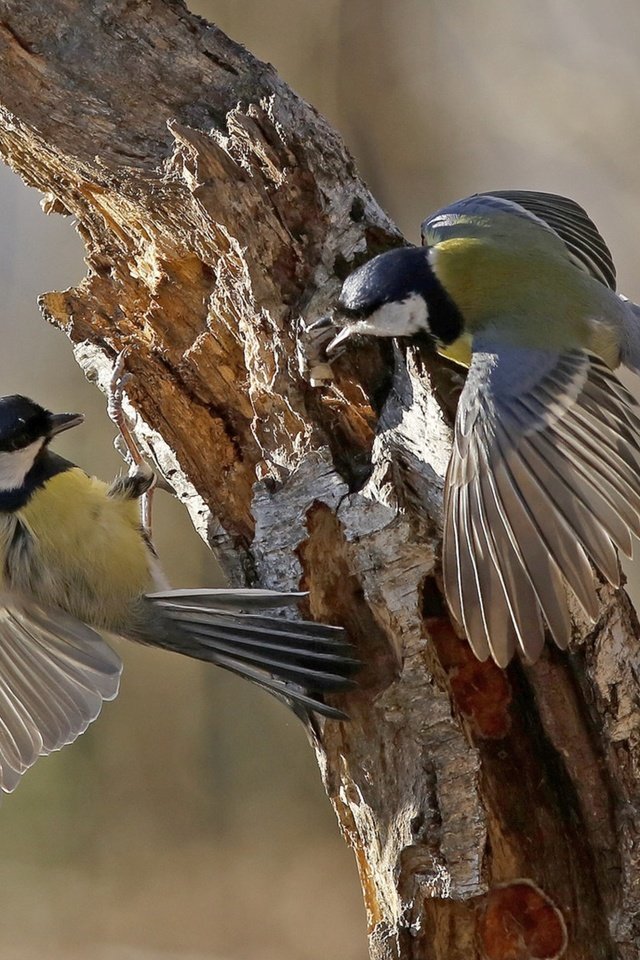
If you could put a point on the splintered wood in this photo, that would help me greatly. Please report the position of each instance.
(492, 814)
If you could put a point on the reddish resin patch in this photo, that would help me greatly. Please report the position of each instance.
(520, 922)
(481, 691)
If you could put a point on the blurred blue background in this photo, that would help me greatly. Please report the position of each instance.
(190, 822)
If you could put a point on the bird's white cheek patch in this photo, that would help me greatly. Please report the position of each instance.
(14, 466)
(400, 318)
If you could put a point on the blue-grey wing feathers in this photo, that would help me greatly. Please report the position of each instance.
(544, 477)
(55, 673)
(564, 218)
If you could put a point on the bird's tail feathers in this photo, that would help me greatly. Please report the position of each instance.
(295, 660)
(232, 599)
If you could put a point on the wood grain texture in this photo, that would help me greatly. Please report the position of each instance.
(492, 814)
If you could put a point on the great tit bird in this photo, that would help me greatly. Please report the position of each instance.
(544, 474)
(75, 561)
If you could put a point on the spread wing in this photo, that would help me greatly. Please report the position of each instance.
(55, 673)
(544, 476)
(564, 218)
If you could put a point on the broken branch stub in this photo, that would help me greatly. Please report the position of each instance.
(218, 209)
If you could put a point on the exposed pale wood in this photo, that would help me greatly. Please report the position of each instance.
(491, 814)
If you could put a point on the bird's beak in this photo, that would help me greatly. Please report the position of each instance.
(344, 334)
(64, 421)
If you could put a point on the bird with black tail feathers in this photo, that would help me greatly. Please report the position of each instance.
(75, 561)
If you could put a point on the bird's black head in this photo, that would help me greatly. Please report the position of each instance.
(25, 431)
(390, 277)
(396, 295)
(22, 422)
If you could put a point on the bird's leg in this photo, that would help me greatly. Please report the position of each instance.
(141, 479)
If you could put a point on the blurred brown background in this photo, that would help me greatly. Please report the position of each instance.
(190, 822)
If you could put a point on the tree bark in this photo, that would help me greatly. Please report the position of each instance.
(492, 814)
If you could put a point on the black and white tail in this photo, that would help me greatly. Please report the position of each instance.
(297, 661)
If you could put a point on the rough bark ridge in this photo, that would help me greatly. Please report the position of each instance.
(491, 814)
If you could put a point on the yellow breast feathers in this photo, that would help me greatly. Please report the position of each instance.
(90, 548)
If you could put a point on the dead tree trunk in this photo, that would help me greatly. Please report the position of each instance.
(492, 814)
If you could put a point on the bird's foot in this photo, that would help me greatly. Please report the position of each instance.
(137, 483)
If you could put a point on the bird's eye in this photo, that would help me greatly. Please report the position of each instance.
(357, 313)
(18, 440)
